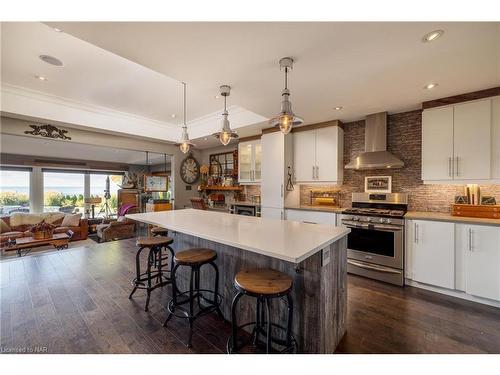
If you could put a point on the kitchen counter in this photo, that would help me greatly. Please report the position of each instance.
(281, 239)
(440, 216)
(306, 207)
(313, 255)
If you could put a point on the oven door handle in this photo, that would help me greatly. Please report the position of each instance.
(372, 267)
(376, 227)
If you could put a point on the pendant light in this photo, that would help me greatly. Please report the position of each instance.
(185, 144)
(286, 119)
(226, 133)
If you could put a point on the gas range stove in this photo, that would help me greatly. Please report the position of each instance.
(375, 245)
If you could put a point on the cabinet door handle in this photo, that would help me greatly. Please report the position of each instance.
(457, 173)
(313, 173)
(416, 233)
(470, 240)
(450, 168)
(317, 172)
(281, 215)
(281, 190)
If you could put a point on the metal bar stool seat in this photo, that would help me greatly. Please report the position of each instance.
(263, 284)
(201, 301)
(156, 275)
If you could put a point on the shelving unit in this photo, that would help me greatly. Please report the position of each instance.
(222, 188)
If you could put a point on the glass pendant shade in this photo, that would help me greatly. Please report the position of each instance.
(286, 120)
(185, 144)
(226, 134)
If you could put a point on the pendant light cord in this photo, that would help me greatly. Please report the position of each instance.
(184, 119)
(286, 78)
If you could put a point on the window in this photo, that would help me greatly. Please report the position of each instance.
(63, 191)
(14, 191)
(97, 190)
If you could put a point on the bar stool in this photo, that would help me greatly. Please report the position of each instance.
(195, 259)
(154, 268)
(159, 231)
(263, 284)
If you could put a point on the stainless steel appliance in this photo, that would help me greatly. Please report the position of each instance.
(375, 246)
(245, 210)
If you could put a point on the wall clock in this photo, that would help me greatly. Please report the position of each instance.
(190, 170)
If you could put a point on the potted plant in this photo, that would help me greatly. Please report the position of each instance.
(42, 231)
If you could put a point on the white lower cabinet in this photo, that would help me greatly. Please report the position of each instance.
(462, 257)
(479, 250)
(432, 255)
(314, 217)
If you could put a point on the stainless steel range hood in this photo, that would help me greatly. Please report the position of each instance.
(376, 155)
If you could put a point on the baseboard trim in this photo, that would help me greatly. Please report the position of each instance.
(453, 293)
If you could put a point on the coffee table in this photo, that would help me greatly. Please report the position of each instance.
(24, 245)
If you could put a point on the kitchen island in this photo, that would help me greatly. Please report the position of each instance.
(313, 255)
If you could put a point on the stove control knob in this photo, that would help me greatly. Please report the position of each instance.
(355, 218)
(387, 221)
(382, 220)
(369, 219)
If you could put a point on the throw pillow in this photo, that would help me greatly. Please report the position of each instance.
(19, 218)
(71, 220)
(52, 217)
(4, 228)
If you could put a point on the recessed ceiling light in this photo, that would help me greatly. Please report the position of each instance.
(57, 30)
(205, 139)
(432, 36)
(430, 86)
(51, 60)
(216, 96)
(173, 115)
(338, 108)
(41, 78)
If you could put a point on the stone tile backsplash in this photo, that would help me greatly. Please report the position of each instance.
(403, 140)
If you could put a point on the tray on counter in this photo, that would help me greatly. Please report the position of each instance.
(471, 210)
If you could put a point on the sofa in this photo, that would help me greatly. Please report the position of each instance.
(18, 225)
(119, 229)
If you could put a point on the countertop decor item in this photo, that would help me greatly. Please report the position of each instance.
(476, 210)
(42, 231)
(226, 134)
(185, 144)
(190, 169)
(286, 118)
(378, 184)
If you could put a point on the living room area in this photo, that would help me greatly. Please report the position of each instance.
(56, 195)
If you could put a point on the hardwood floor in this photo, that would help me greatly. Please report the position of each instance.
(76, 301)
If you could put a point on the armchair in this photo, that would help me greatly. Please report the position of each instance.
(117, 229)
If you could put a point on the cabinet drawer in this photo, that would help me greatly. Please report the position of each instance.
(328, 218)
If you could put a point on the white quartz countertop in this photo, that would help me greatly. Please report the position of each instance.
(286, 240)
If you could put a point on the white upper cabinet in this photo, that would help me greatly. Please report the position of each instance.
(459, 142)
(249, 162)
(431, 247)
(318, 155)
(437, 144)
(481, 250)
(304, 155)
(472, 140)
(273, 171)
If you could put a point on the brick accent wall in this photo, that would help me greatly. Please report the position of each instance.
(403, 140)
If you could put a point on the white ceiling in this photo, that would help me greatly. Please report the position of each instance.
(364, 67)
(49, 148)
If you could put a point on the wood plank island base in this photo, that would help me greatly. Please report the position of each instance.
(315, 256)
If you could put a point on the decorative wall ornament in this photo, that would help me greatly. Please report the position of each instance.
(48, 131)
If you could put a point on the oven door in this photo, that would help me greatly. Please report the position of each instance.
(380, 244)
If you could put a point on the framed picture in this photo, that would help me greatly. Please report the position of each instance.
(378, 184)
(156, 183)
